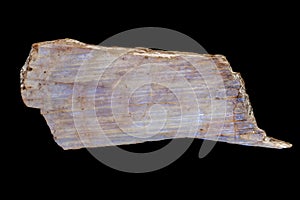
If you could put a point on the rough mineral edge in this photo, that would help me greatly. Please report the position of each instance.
(265, 141)
(256, 137)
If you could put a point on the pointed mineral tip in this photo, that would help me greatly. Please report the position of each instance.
(275, 143)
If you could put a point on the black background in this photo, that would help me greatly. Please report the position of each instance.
(259, 41)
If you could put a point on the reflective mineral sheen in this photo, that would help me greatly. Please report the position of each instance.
(95, 96)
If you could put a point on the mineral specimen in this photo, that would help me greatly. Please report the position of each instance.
(95, 96)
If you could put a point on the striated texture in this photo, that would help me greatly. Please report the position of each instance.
(94, 96)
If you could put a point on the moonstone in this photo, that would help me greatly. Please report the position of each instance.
(95, 96)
